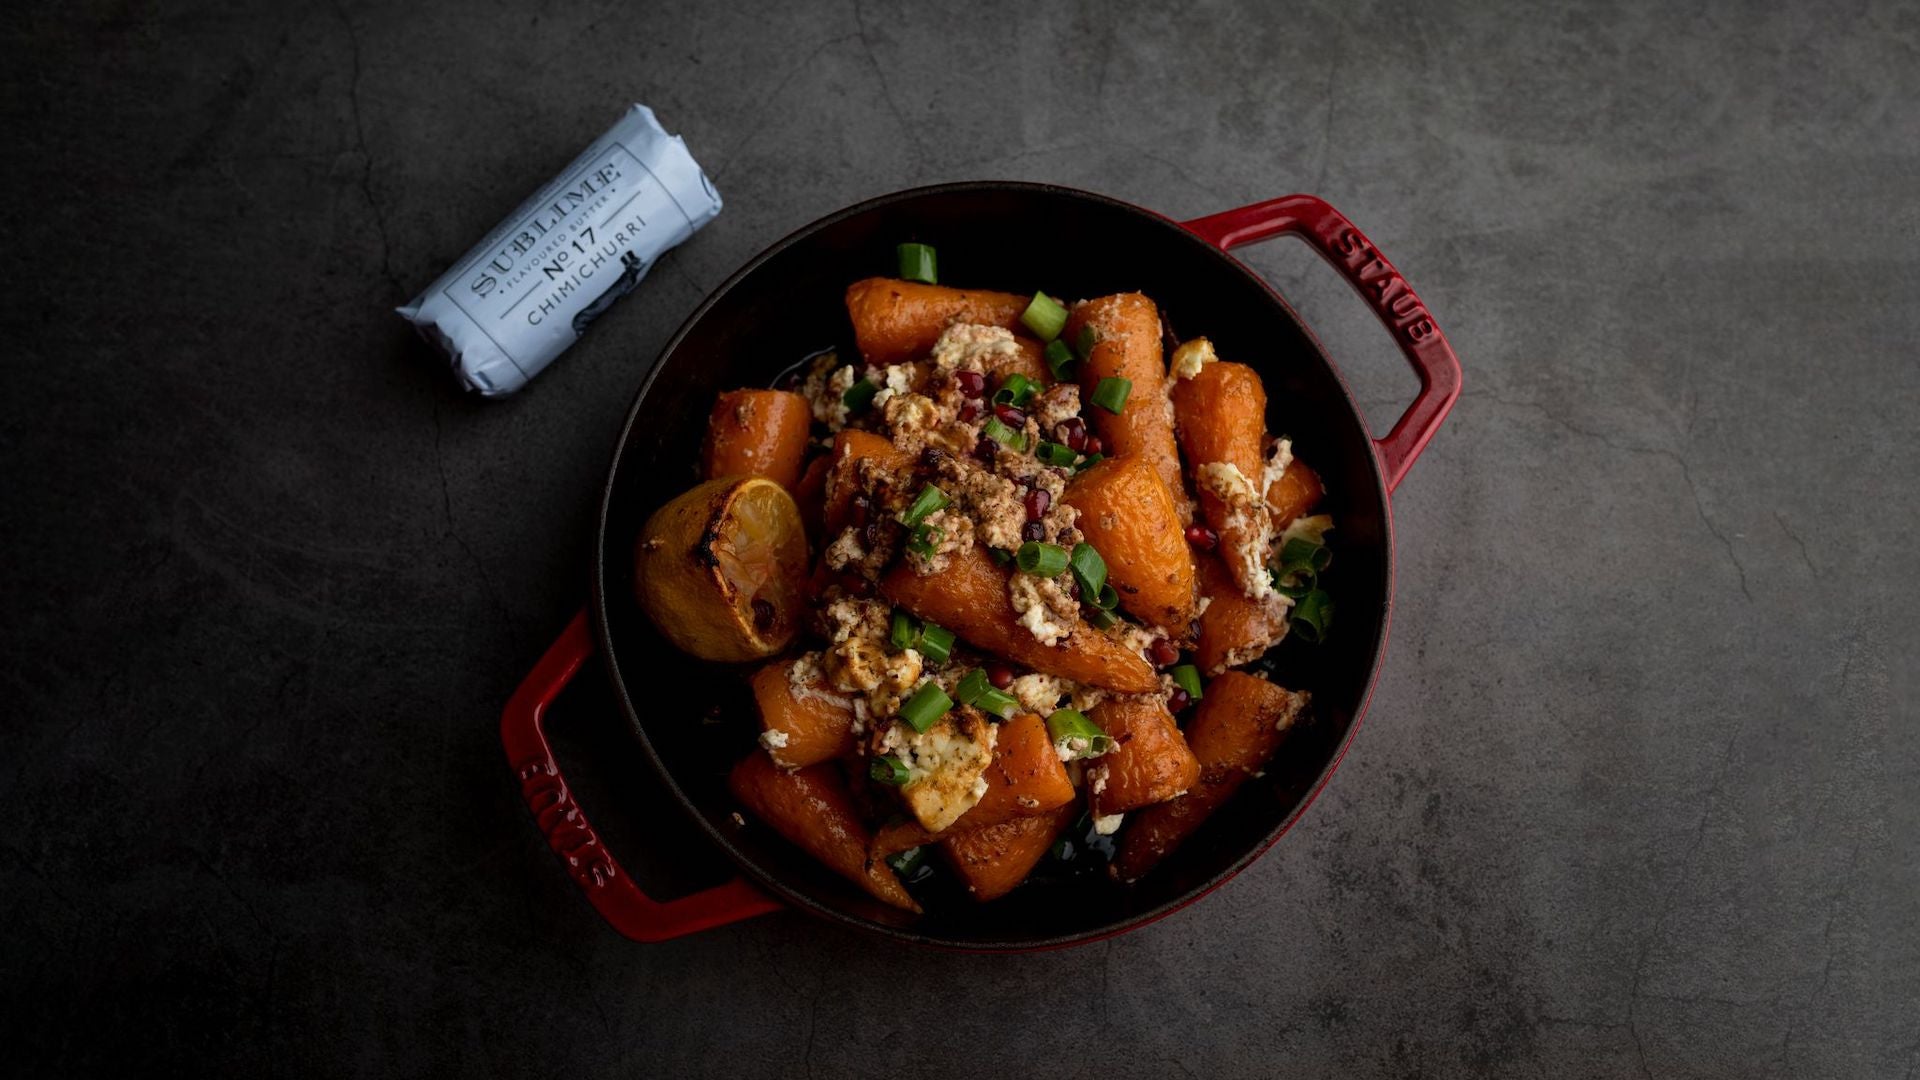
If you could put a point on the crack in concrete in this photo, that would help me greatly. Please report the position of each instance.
(759, 107)
(1826, 939)
(886, 92)
(1788, 529)
(1686, 471)
(366, 157)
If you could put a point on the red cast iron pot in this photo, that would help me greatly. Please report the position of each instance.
(1016, 237)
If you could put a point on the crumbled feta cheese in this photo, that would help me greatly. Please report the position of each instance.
(738, 820)
(827, 397)
(1058, 404)
(1035, 608)
(845, 550)
(1038, 693)
(895, 379)
(1277, 462)
(1099, 778)
(1191, 356)
(1313, 528)
(773, 740)
(973, 347)
(1107, 824)
(947, 764)
(1247, 533)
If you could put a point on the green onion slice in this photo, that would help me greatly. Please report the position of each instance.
(901, 633)
(1304, 553)
(1312, 614)
(1083, 341)
(999, 556)
(927, 705)
(1089, 462)
(1102, 619)
(925, 538)
(890, 770)
(936, 643)
(1187, 677)
(1004, 435)
(1052, 453)
(930, 500)
(859, 395)
(1105, 599)
(1045, 317)
(1016, 391)
(971, 685)
(908, 863)
(1111, 394)
(1071, 728)
(975, 690)
(917, 263)
(1089, 569)
(1059, 359)
(1303, 581)
(1041, 559)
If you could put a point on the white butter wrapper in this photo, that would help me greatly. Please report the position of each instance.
(562, 258)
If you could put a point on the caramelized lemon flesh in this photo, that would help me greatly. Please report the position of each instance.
(720, 569)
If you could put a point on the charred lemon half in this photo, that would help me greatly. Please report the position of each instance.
(721, 569)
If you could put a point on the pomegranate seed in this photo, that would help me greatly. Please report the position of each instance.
(1202, 537)
(1010, 416)
(1073, 432)
(1037, 502)
(972, 383)
(1000, 675)
(969, 412)
(1094, 446)
(1178, 700)
(1162, 652)
(986, 449)
(1033, 530)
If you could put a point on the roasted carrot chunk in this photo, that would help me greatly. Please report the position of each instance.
(1150, 763)
(811, 808)
(1222, 415)
(1129, 516)
(897, 320)
(1293, 493)
(970, 598)
(1126, 345)
(810, 494)
(805, 720)
(1239, 725)
(757, 433)
(849, 448)
(1234, 630)
(993, 861)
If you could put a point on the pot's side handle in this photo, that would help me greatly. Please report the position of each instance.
(1348, 250)
(608, 886)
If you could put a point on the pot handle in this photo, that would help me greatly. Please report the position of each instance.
(608, 886)
(1348, 250)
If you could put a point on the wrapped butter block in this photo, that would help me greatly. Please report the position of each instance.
(560, 260)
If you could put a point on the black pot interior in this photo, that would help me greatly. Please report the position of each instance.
(696, 720)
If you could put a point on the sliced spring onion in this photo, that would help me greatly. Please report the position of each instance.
(1187, 677)
(901, 633)
(1059, 359)
(1105, 599)
(1089, 569)
(936, 643)
(908, 863)
(1312, 614)
(890, 770)
(1102, 619)
(1052, 453)
(1041, 559)
(1083, 342)
(1045, 317)
(1111, 394)
(917, 263)
(971, 686)
(925, 538)
(1004, 435)
(927, 705)
(1089, 462)
(929, 500)
(1081, 735)
(859, 396)
(1016, 391)
(999, 556)
(1298, 553)
(1296, 584)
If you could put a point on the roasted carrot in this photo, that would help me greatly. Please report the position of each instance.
(1240, 723)
(810, 494)
(849, 447)
(970, 598)
(1025, 778)
(1149, 764)
(757, 433)
(1126, 345)
(1234, 629)
(993, 861)
(1131, 519)
(808, 722)
(1222, 414)
(811, 808)
(897, 320)
(1293, 493)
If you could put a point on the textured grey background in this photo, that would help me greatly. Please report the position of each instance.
(1638, 792)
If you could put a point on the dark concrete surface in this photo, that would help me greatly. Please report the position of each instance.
(1638, 792)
